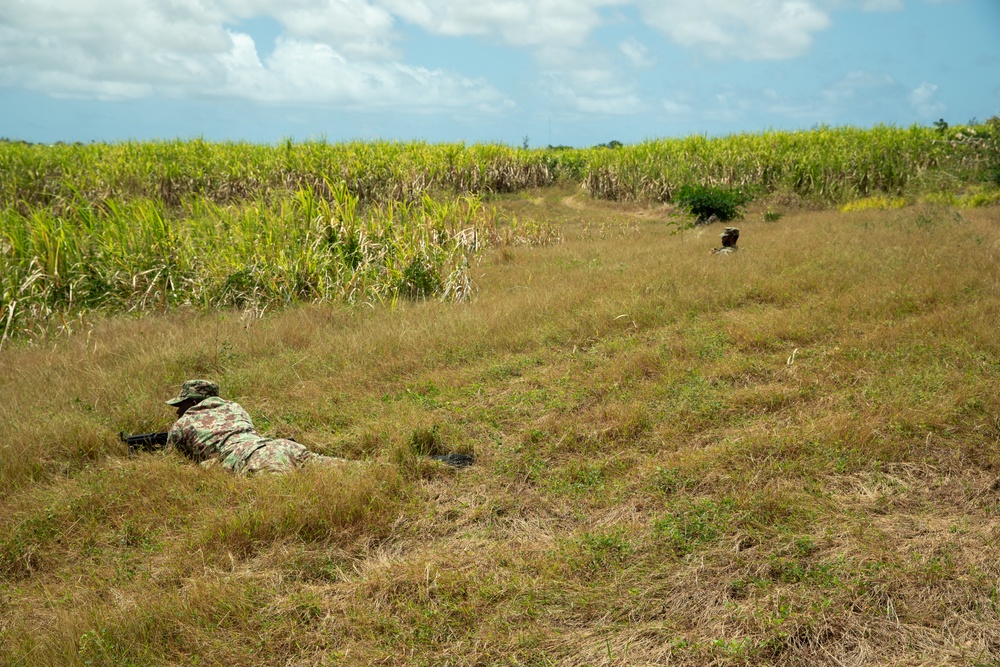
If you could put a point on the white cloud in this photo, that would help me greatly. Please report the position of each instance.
(590, 85)
(678, 105)
(573, 70)
(348, 52)
(859, 85)
(626, 103)
(310, 73)
(533, 23)
(728, 107)
(353, 27)
(333, 52)
(637, 53)
(883, 5)
(79, 48)
(924, 100)
(856, 95)
(757, 30)
(351, 53)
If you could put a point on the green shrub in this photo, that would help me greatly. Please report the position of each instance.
(420, 279)
(705, 202)
(993, 150)
(878, 203)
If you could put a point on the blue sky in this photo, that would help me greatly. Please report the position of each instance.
(561, 72)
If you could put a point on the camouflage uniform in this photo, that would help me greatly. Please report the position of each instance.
(215, 429)
(729, 238)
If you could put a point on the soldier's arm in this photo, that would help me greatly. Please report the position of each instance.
(177, 441)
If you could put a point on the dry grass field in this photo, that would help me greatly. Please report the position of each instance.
(786, 456)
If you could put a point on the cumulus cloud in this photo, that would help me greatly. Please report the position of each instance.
(572, 69)
(883, 5)
(332, 52)
(352, 27)
(924, 100)
(589, 83)
(759, 30)
(637, 53)
(533, 23)
(860, 85)
(728, 106)
(855, 97)
(679, 105)
(307, 72)
(80, 48)
(620, 103)
(352, 53)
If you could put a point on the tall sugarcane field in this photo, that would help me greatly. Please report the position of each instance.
(781, 451)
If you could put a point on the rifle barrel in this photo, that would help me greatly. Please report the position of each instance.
(146, 442)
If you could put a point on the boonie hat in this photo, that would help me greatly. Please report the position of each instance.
(197, 389)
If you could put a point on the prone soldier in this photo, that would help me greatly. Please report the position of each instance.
(211, 429)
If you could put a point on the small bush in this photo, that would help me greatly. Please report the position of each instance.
(707, 202)
(993, 150)
(975, 197)
(877, 203)
(420, 279)
(981, 198)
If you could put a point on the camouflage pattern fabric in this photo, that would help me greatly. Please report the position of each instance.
(219, 429)
(285, 455)
(729, 238)
(196, 389)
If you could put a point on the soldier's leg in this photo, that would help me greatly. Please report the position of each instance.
(320, 459)
(277, 456)
(286, 455)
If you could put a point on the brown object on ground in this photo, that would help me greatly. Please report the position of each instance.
(729, 238)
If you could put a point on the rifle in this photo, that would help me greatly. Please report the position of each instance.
(144, 442)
